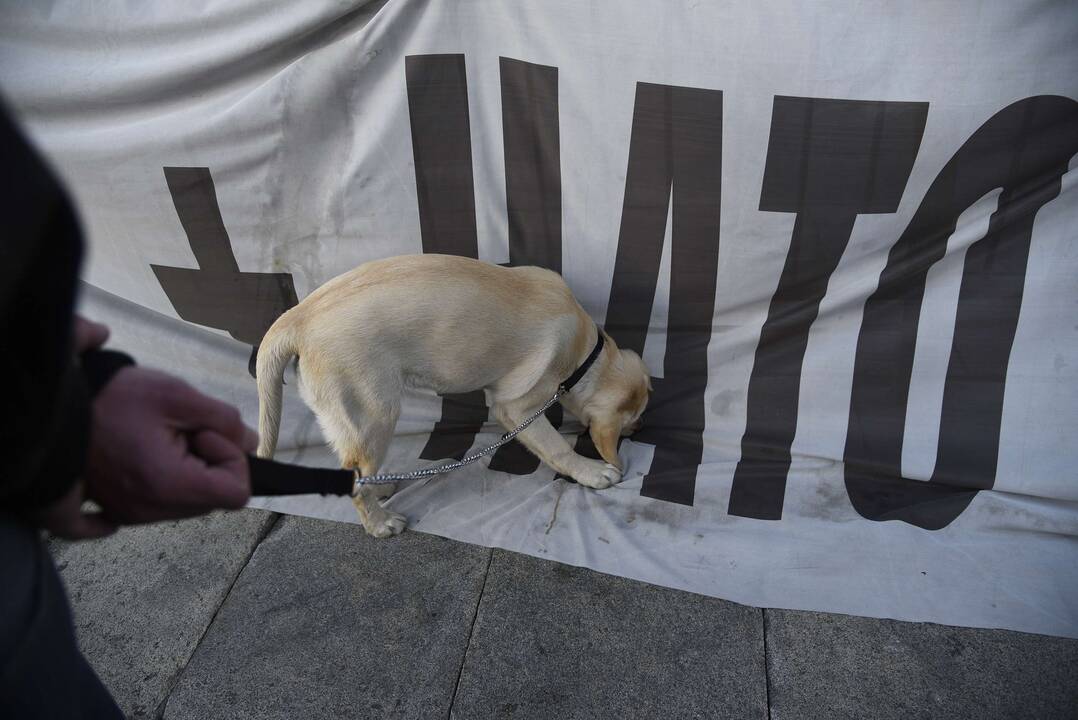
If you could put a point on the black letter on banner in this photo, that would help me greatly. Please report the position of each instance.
(442, 151)
(533, 195)
(1023, 149)
(217, 294)
(676, 143)
(827, 161)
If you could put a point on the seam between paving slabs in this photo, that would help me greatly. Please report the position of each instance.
(159, 712)
(471, 631)
(767, 665)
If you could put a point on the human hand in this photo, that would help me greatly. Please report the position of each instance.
(159, 450)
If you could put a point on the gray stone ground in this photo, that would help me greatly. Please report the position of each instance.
(254, 615)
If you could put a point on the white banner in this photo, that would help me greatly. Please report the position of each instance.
(843, 235)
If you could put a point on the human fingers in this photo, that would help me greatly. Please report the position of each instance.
(66, 519)
(196, 412)
(86, 526)
(213, 474)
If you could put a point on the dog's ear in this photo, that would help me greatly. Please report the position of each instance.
(605, 437)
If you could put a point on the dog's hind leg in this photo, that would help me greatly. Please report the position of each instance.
(377, 521)
(360, 425)
(366, 454)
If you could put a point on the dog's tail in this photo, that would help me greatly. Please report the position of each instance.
(276, 350)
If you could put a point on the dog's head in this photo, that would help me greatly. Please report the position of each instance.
(617, 402)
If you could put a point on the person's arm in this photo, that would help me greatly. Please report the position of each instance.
(45, 410)
(79, 422)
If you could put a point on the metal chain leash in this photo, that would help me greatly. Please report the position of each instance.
(387, 478)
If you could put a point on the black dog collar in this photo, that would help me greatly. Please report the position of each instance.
(575, 377)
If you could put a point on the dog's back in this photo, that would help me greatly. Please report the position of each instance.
(450, 324)
(441, 322)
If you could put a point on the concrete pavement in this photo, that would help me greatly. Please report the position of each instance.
(254, 615)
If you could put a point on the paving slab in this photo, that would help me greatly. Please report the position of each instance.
(555, 641)
(143, 598)
(836, 666)
(327, 622)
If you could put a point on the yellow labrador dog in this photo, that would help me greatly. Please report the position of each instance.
(451, 325)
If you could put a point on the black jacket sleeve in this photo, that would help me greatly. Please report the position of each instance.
(98, 367)
(44, 423)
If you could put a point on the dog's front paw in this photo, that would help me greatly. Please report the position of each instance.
(596, 474)
(387, 525)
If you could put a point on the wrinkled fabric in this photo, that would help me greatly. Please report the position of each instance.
(841, 234)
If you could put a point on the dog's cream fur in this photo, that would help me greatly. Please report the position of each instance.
(451, 325)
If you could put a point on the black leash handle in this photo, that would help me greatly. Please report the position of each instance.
(269, 477)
